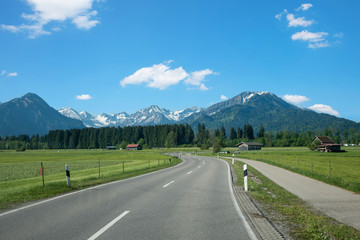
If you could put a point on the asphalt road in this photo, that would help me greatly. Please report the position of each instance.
(336, 202)
(193, 200)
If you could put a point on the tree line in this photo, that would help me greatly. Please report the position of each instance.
(168, 136)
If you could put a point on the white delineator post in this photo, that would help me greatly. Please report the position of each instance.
(233, 160)
(67, 168)
(245, 178)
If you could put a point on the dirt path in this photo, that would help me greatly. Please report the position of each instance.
(335, 202)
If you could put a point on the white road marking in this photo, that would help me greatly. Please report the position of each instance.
(199, 166)
(86, 189)
(203, 162)
(189, 172)
(168, 184)
(237, 208)
(101, 231)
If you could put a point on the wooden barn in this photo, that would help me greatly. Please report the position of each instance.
(326, 144)
(249, 146)
(132, 147)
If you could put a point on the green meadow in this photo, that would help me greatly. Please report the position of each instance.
(21, 178)
(340, 169)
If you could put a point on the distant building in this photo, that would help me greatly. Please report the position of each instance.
(249, 146)
(111, 147)
(132, 147)
(326, 144)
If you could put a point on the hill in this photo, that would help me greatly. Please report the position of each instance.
(31, 115)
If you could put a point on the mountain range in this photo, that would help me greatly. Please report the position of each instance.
(32, 115)
(152, 115)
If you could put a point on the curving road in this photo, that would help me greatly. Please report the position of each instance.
(193, 200)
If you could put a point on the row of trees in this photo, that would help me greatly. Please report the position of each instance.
(93, 138)
(167, 136)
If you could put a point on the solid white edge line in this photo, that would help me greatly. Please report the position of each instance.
(86, 189)
(189, 172)
(168, 184)
(237, 208)
(101, 231)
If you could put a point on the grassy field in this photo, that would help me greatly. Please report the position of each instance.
(20, 179)
(340, 169)
(281, 206)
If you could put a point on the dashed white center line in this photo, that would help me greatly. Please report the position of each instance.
(189, 172)
(101, 231)
(168, 183)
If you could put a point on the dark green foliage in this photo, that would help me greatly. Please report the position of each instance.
(89, 138)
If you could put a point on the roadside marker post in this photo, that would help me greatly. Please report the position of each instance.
(67, 169)
(42, 174)
(245, 178)
(99, 167)
(233, 159)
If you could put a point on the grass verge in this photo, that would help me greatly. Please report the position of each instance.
(23, 187)
(303, 221)
(339, 169)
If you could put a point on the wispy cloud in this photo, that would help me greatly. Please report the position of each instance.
(13, 74)
(321, 108)
(315, 39)
(161, 76)
(8, 74)
(84, 97)
(223, 97)
(338, 35)
(198, 77)
(295, 99)
(46, 11)
(296, 22)
(305, 35)
(304, 7)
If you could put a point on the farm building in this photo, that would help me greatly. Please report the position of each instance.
(326, 144)
(132, 147)
(249, 146)
(111, 147)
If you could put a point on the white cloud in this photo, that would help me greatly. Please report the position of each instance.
(158, 76)
(305, 35)
(198, 77)
(84, 22)
(10, 28)
(304, 7)
(161, 76)
(279, 16)
(223, 97)
(203, 87)
(46, 11)
(296, 22)
(316, 40)
(3, 72)
(319, 44)
(84, 97)
(295, 99)
(13, 74)
(324, 109)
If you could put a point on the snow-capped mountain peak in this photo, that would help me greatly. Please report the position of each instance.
(146, 116)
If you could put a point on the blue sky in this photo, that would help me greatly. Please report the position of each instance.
(113, 56)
